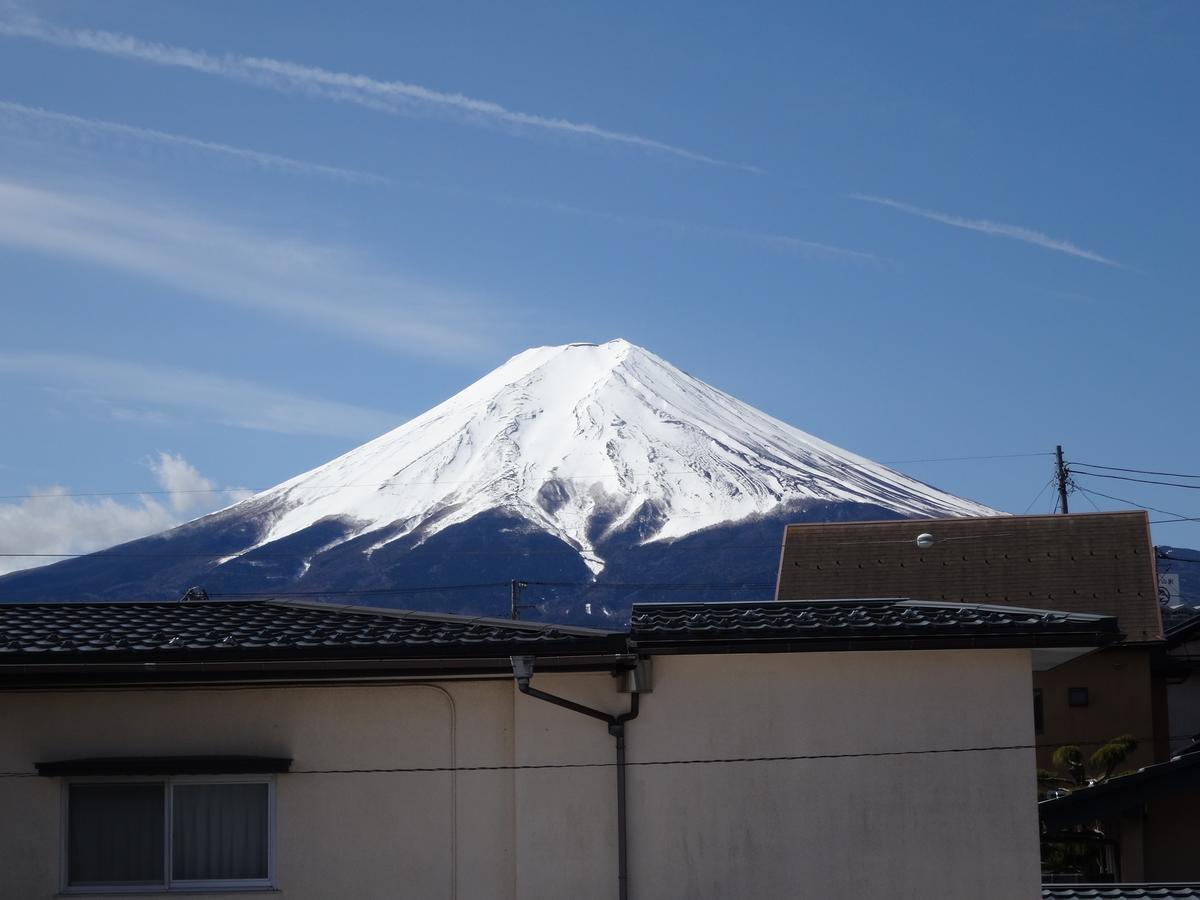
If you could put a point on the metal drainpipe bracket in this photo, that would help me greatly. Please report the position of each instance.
(639, 679)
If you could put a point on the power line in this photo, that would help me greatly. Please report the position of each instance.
(323, 487)
(379, 484)
(1034, 501)
(1166, 512)
(252, 555)
(364, 591)
(673, 586)
(700, 761)
(494, 584)
(1190, 487)
(1088, 497)
(120, 493)
(1136, 471)
(898, 462)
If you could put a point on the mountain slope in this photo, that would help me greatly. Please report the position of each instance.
(567, 461)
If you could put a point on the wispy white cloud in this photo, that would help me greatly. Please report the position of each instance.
(362, 90)
(56, 121)
(269, 161)
(320, 286)
(996, 229)
(52, 521)
(781, 242)
(145, 393)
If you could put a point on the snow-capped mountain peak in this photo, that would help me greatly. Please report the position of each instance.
(581, 441)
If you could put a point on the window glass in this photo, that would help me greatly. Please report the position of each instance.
(1039, 715)
(115, 834)
(219, 832)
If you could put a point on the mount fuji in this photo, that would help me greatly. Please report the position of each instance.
(599, 474)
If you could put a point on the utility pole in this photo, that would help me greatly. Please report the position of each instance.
(1062, 474)
(515, 604)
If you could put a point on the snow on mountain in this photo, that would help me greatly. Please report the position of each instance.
(571, 436)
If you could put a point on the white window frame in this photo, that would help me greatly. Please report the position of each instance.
(169, 883)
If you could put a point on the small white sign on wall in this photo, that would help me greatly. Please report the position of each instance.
(1168, 590)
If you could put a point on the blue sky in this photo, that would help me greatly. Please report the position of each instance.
(238, 239)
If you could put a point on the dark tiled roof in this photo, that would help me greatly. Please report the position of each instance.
(1170, 779)
(1184, 629)
(863, 622)
(1121, 891)
(190, 640)
(45, 633)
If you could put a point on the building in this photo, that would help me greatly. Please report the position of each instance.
(859, 748)
(1179, 667)
(1100, 563)
(1149, 817)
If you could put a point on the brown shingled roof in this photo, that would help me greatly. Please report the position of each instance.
(1099, 563)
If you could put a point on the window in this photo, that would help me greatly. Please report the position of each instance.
(1039, 716)
(172, 833)
(1077, 696)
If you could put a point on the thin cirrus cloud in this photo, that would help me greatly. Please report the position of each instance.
(322, 287)
(51, 123)
(996, 229)
(151, 393)
(47, 119)
(383, 96)
(784, 243)
(54, 521)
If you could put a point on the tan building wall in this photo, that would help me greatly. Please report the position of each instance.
(1183, 696)
(917, 826)
(1120, 701)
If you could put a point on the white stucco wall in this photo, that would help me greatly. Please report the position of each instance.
(929, 826)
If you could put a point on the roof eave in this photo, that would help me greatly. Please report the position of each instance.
(94, 674)
(1083, 641)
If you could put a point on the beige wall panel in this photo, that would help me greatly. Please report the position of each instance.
(418, 835)
(902, 827)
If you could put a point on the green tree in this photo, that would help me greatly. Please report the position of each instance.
(1073, 771)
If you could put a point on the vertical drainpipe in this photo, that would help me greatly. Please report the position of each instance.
(617, 729)
(523, 672)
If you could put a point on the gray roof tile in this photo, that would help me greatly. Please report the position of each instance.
(38, 631)
(861, 621)
(1121, 892)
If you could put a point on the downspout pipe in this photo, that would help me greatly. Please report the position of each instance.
(523, 672)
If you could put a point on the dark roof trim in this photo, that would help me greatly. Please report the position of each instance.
(1183, 632)
(1086, 804)
(240, 671)
(869, 624)
(1167, 891)
(441, 618)
(165, 765)
(1081, 642)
